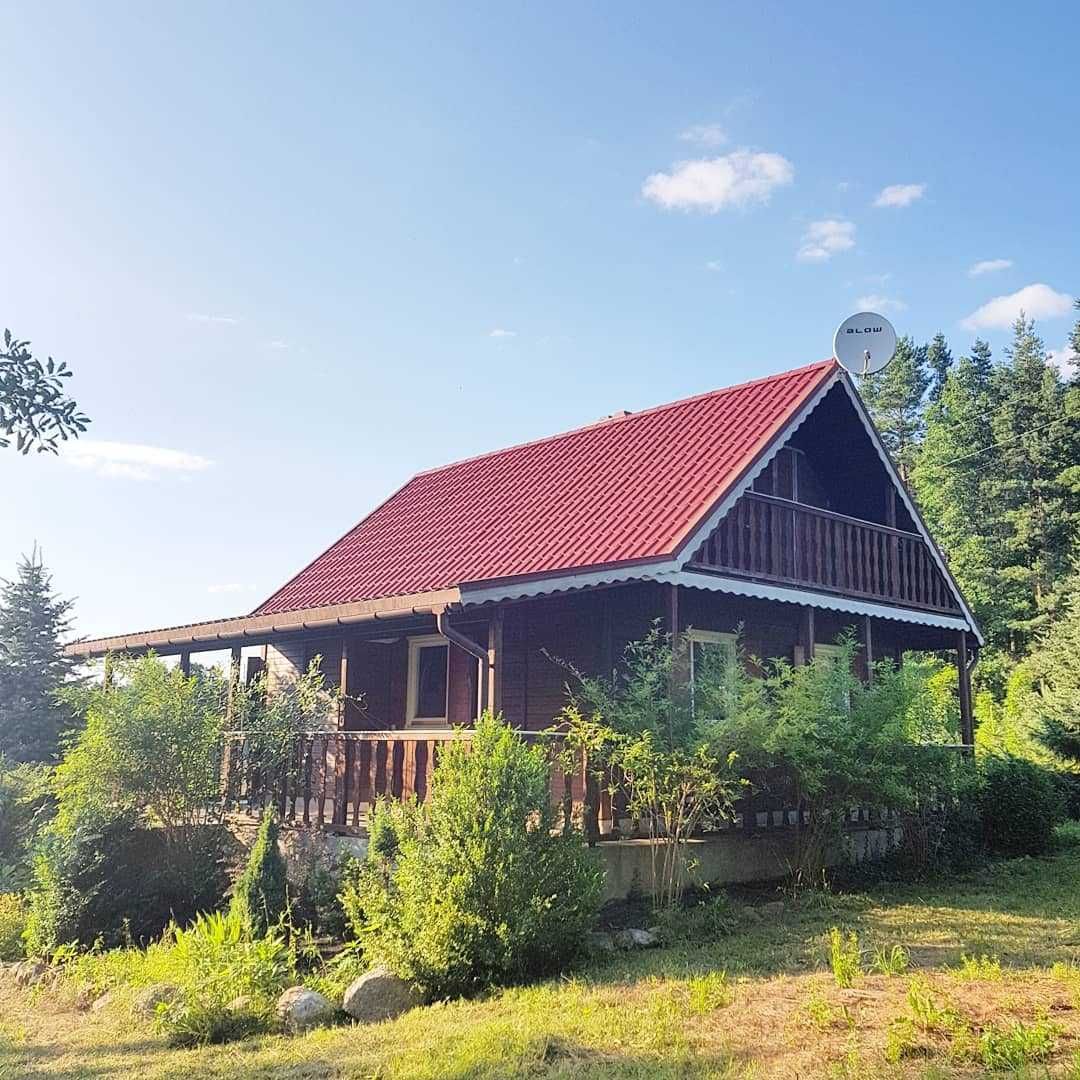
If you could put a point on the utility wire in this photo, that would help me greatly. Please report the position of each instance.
(992, 446)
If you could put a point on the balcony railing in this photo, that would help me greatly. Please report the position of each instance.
(777, 540)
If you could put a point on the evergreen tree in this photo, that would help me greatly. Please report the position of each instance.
(1033, 490)
(939, 362)
(33, 620)
(260, 898)
(982, 361)
(895, 399)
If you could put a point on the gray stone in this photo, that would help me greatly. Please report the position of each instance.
(242, 1003)
(599, 942)
(299, 1008)
(751, 914)
(634, 938)
(150, 997)
(379, 995)
(30, 972)
(774, 908)
(103, 1002)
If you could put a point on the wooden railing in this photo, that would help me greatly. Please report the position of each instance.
(333, 778)
(773, 539)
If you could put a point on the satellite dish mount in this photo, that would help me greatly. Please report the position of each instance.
(864, 343)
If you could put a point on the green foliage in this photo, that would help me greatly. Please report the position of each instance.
(895, 396)
(1020, 806)
(260, 897)
(26, 804)
(33, 406)
(894, 961)
(978, 968)
(33, 667)
(1018, 1046)
(116, 882)
(482, 891)
(709, 992)
(845, 957)
(12, 924)
(702, 920)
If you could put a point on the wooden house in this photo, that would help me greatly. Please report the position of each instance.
(771, 506)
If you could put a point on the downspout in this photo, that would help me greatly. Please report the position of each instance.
(466, 644)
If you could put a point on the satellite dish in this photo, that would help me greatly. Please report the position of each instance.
(864, 342)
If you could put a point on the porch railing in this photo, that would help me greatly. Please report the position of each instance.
(773, 539)
(332, 779)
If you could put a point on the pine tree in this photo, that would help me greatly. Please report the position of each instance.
(939, 362)
(982, 361)
(33, 622)
(1034, 425)
(895, 399)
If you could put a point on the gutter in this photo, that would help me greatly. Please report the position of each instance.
(466, 644)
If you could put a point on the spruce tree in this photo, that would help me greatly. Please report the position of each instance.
(33, 667)
(982, 361)
(939, 362)
(895, 399)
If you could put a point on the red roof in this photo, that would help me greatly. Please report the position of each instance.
(628, 489)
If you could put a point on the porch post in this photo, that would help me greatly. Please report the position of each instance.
(494, 662)
(673, 613)
(234, 679)
(806, 633)
(867, 649)
(967, 724)
(343, 685)
(185, 662)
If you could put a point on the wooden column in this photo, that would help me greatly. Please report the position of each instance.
(866, 634)
(494, 662)
(673, 613)
(806, 634)
(234, 679)
(185, 661)
(343, 685)
(967, 724)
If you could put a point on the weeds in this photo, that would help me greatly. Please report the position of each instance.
(927, 1013)
(709, 992)
(975, 968)
(845, 957)
(1018, 1046)
(894, 961)
(824, 1016)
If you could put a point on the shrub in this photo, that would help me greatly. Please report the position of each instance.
(894, 961)
(1020, 806)
(845, 957)
(481, 891)
(112, 883)
(1018, 1046)
(12, 924)
(702, 920)
(26, 804)
(260, 897)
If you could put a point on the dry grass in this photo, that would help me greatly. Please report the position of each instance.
(779, 1015)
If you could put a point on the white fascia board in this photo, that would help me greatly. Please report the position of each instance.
(521, 590)
(757, 590)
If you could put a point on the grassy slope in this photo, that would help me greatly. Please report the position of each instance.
(645, 1015)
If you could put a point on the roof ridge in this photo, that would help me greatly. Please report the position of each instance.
(620, 418)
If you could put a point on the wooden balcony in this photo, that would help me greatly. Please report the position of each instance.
(770, 539)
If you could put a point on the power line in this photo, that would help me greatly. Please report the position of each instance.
(993, 446)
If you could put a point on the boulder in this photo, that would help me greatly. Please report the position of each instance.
(150, 997)
(242, 1003)
(103, 1002)
(599, 942)
(379, 995)
(30, 972)
(635, 938)
(299, 1008)
(774, 909)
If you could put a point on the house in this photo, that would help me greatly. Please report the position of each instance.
(771, 506)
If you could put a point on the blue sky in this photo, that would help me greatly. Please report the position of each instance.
(296, 253)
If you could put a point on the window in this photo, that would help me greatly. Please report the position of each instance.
(429, 659)
(711, 640)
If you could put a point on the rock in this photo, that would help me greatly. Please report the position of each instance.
(240, 1004)
(379, 995)
(632, 938)
(103, 1002)
(150, 997)
(299, 1008)
(599, 942)
(774, 908)
(751, 915)
(30, 972)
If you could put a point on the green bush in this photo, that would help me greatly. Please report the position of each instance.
(26, 804)
(481, 890)
(12, 924)
(113, 884)
(1020, 806)
(260, 898)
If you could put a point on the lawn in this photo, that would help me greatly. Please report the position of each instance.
(776, 1012)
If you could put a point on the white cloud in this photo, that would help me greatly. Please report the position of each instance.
(131, 461)
(224, 320)
(704, 135)
(824, 239)
(499, 332)
(900, 195)
(277, 343)
(713, 184)
(715, 265)
(877, 302)
(230, 587)
(989, 266)
(1063, 359)
(1037, 301)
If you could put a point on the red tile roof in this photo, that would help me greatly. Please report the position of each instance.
(628, 489)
